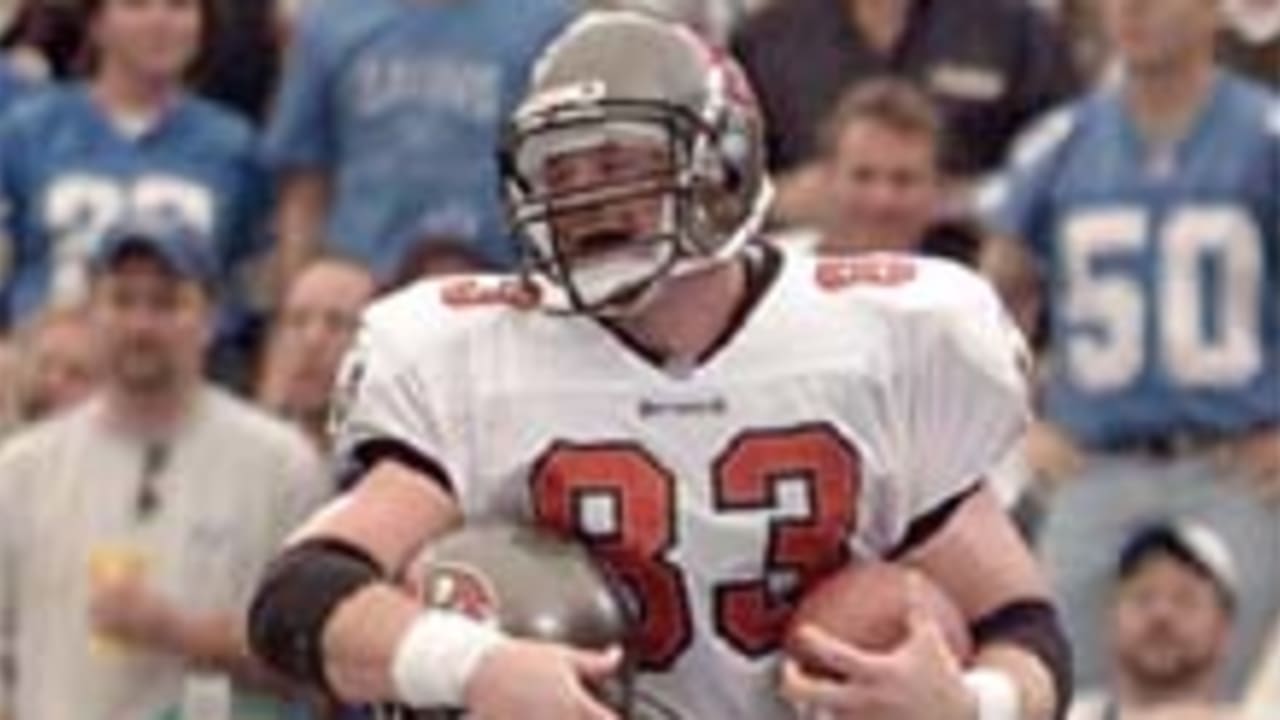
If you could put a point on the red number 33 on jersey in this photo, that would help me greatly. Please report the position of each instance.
(747, 477)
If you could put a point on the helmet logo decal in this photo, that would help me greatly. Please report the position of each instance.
(460, 589)
(473, 292)
(581, 93)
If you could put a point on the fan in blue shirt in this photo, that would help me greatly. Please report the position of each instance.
(129, 139)
(1152, 209)
(1165, 268)
(68, 169)
(393, 108)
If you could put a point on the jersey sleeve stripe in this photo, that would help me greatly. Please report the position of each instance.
(926, 525)
(369, 453)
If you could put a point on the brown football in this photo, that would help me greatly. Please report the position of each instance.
(866, 604)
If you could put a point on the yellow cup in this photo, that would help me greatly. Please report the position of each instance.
(111, 564)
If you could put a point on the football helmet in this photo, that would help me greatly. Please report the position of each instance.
(621, 79)
(531, 584)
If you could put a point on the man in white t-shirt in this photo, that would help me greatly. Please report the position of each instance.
(132, 527)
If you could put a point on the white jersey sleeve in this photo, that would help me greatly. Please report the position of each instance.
(960, 391)
(392, 399)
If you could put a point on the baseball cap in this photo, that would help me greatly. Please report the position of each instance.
(1194, 545)
(181, 247)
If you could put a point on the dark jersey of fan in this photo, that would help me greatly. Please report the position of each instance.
(991, 65)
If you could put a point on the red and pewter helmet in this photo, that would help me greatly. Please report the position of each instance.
(531, 584)
(615, 77)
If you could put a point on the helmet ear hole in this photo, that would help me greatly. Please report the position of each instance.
(733, 177)
(737, 152)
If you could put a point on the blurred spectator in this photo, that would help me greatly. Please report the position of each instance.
(1251, 39)
(714, 19)
(879, 158)
(1169, 619)
(8, 389)
(1084, 31)
(57, 363)
(237, 66)
(436, 255)
(991, 65)
(386, 125)
(313, 331)
(8, 10)
(133, 526)
(240, 66)
(1151, 208)
(74, 158)
(46, 38)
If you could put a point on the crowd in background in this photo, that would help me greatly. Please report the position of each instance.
(200, 196)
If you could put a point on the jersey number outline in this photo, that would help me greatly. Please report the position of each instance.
(1209, 259)
(748, 476)
(79, 207)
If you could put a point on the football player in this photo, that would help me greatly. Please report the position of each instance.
(75, 159)
(721, 424)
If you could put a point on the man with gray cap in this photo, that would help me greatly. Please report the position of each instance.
(132, 527)
(1170, 622)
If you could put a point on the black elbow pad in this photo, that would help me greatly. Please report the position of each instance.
(298, 593)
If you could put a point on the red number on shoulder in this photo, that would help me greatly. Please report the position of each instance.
(475, 292)
(883, 270)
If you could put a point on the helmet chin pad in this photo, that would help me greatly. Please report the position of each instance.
(617, 281)
(601, 243)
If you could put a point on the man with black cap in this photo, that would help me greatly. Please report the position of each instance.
(132, 527)
(1170, 622)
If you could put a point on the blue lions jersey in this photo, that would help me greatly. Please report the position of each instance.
(67, 172)
(1162, 268)
(402, 103)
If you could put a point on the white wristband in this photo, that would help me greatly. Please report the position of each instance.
(438, 655)
(996, 694)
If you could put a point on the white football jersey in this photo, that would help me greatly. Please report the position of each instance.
(854, 397)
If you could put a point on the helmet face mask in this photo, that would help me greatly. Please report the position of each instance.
(598, 202)
(619, 174)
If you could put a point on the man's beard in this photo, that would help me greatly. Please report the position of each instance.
(1170, 665)
(142, 368)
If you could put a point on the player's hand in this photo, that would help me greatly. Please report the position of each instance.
(918, 680)
(128, 610)
(522, 680)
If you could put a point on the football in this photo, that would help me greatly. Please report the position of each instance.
(865, 604)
